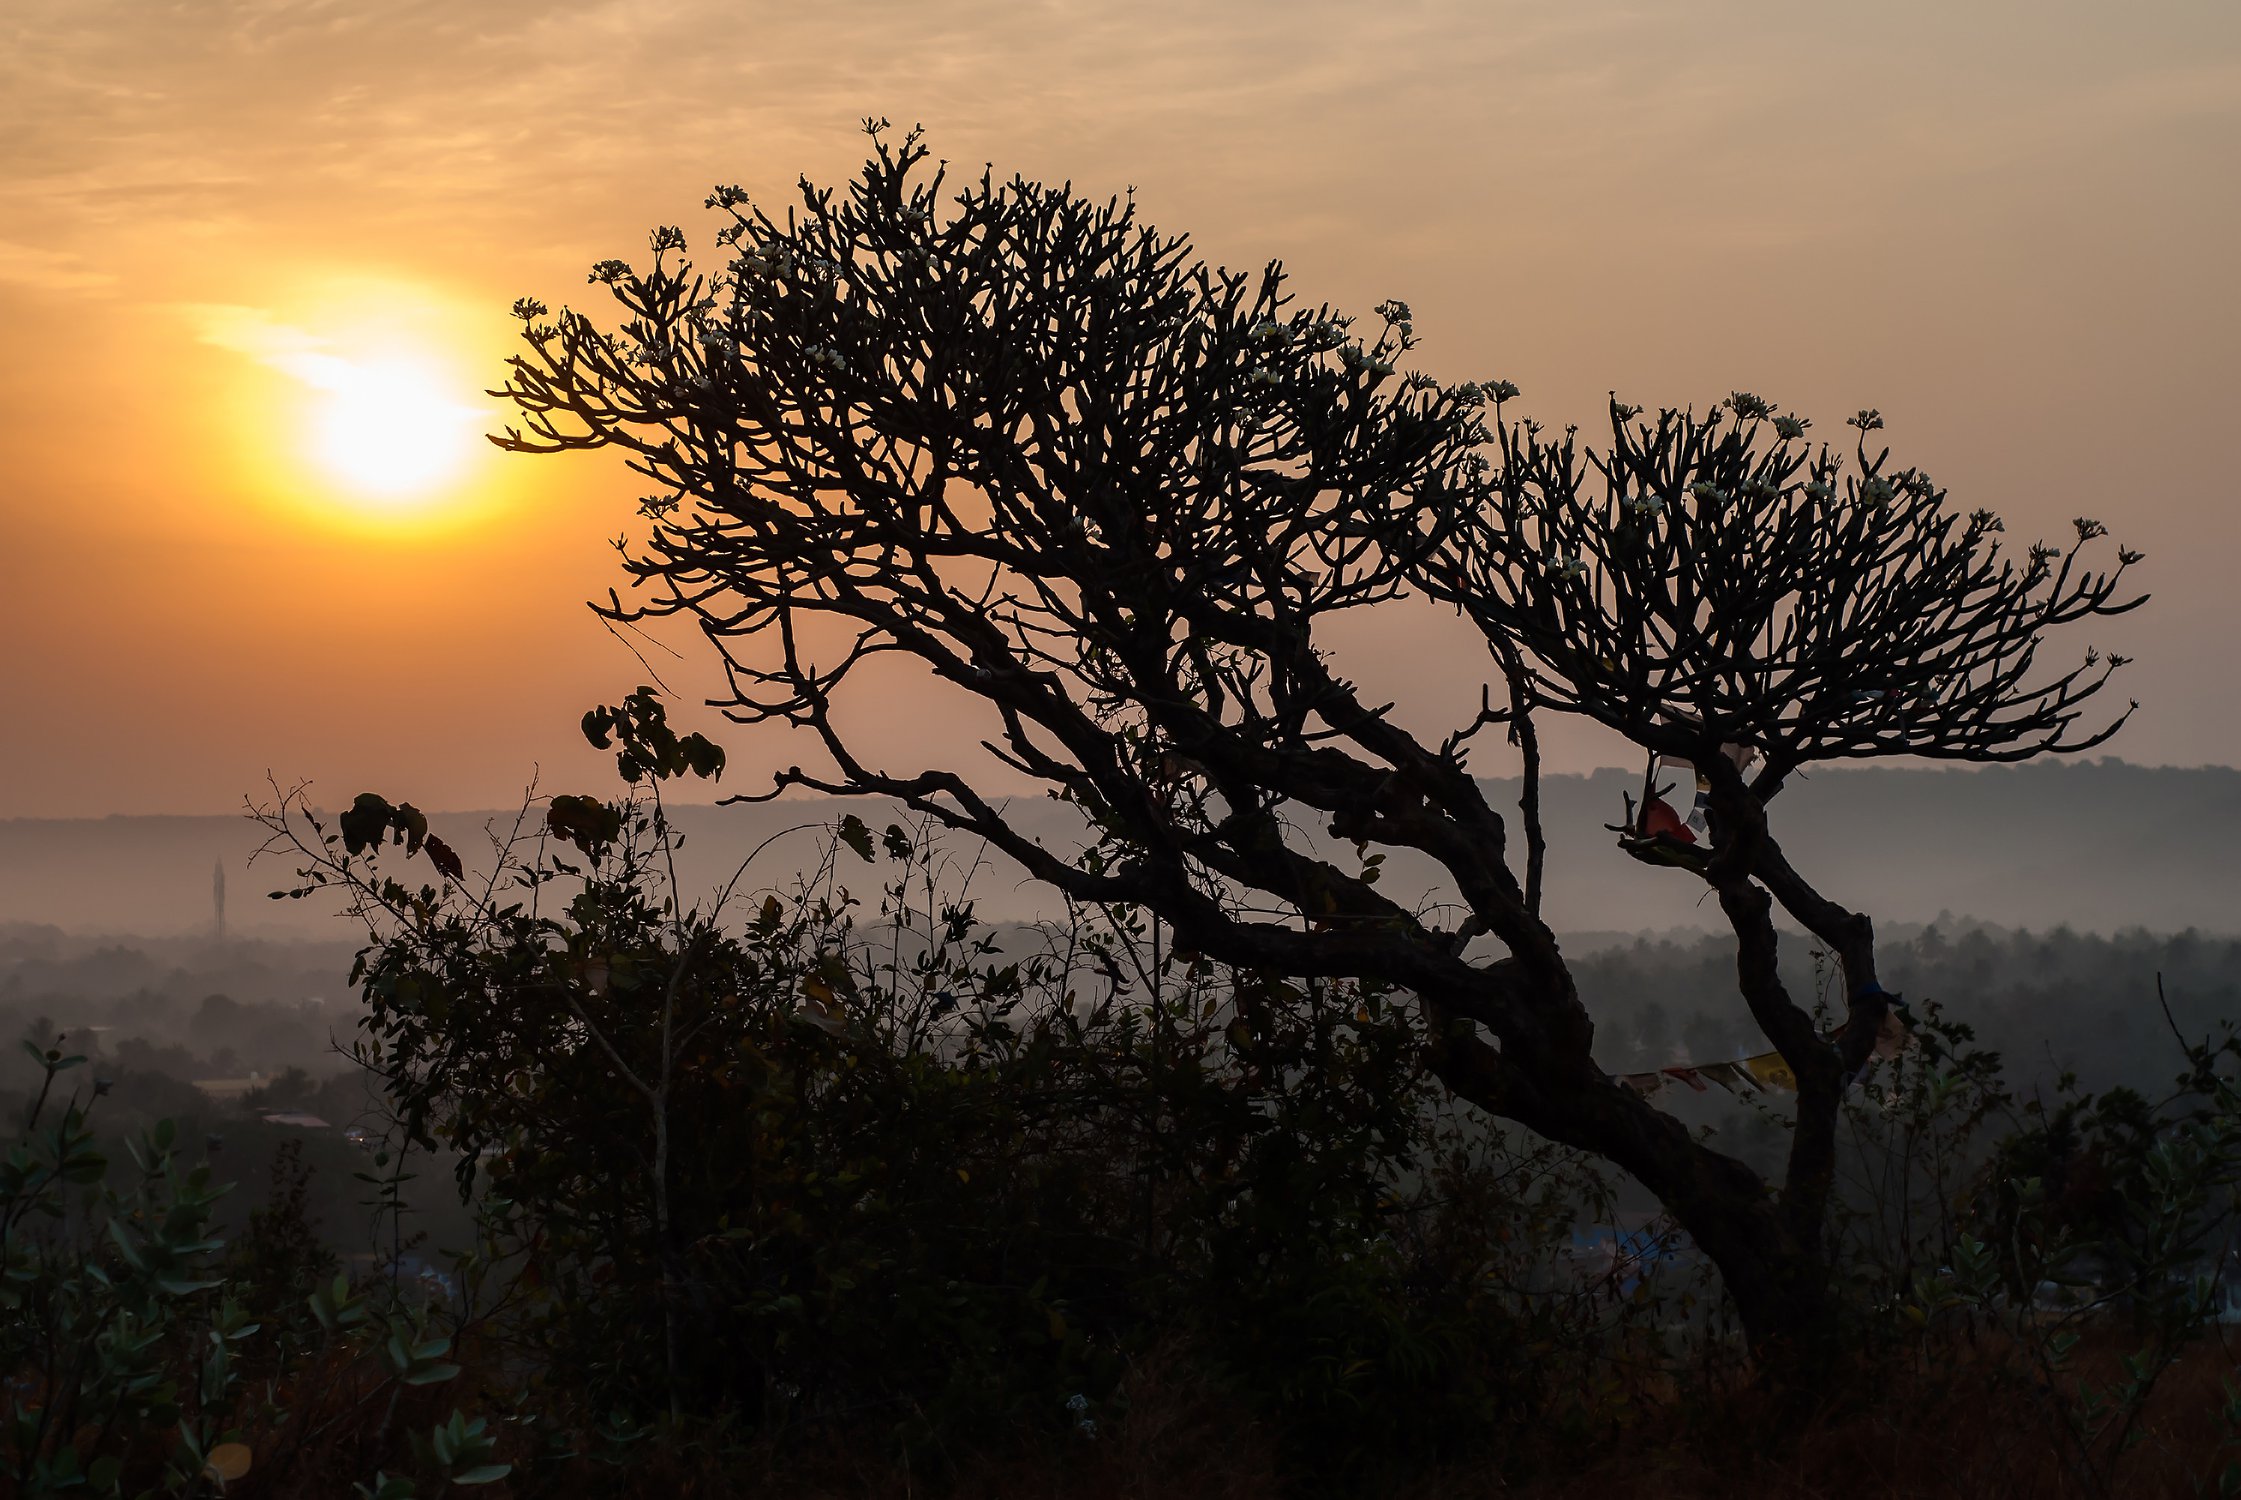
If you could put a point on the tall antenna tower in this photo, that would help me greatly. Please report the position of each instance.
(218, 898)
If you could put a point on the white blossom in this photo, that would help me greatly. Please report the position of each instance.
(1568, 567)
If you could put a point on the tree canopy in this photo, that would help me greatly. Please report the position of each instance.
(1114, 496)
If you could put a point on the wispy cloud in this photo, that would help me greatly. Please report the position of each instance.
(50, 270)
(258, 335)
(392, 384)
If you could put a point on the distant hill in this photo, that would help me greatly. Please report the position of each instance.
(2096, 846)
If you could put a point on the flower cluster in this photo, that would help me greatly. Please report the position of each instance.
(773, 260)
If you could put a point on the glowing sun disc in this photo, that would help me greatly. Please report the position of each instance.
(390, 428)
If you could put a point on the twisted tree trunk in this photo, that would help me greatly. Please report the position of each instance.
(1767, 1246)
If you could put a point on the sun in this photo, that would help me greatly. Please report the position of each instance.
(355, 406)
(390, 429)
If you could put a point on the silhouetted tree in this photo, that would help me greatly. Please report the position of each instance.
(1739, 603)
(1117, 497)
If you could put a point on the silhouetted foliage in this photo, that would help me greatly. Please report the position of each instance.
(811, 1161)
(1114, 497)
(936, 1192)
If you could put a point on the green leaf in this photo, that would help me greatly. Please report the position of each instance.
(89, 1167)
(177, 1287)
(482, 1474)
(125, 1246)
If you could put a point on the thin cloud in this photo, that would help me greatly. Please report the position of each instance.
(49, 270)
(254, 333)
(258, 335)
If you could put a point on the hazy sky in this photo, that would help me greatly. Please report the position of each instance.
(2012, 227)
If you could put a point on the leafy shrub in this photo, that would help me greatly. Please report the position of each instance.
(125, 1346)
(821, 1161)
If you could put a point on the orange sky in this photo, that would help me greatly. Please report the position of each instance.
(2012, 227)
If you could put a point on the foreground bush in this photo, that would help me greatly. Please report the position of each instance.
(813, 1162)
(765, 1175)
(761, 1181)
(141, 1359)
